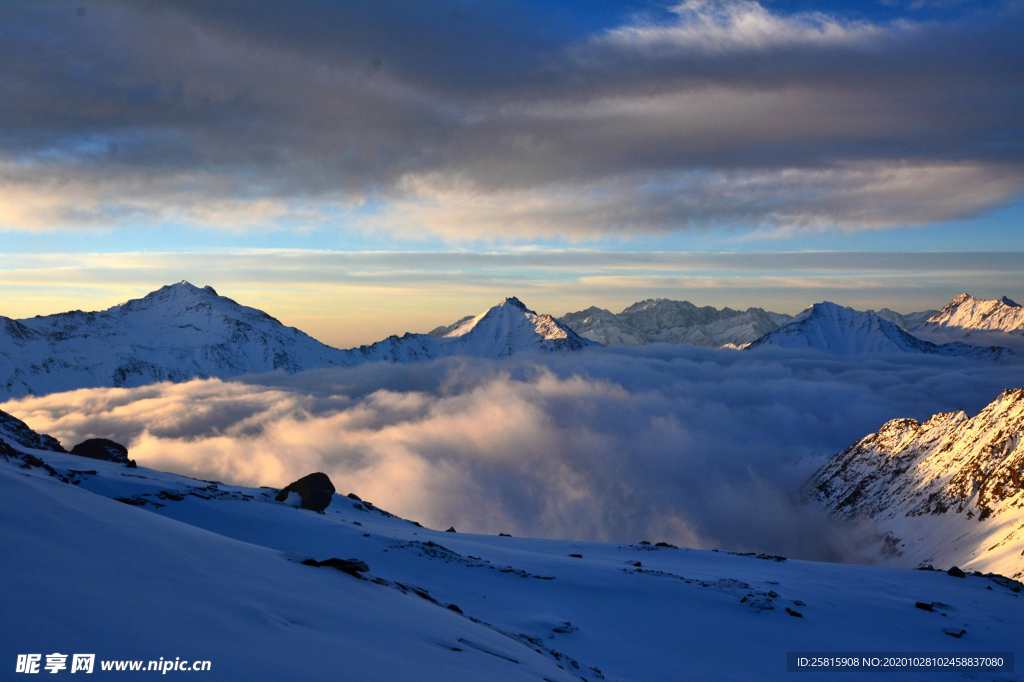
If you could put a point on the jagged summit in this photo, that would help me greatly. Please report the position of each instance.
(837, 329)
(975, 314)
(515, 302)
(662, 320)
(954, 481)
(998, 322)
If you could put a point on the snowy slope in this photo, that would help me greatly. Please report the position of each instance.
(181, 332)
(176, 333)
(844, 331)
(976, 321)
(904, 322)
(948, 491)
(197, 569)
(665, 321)
(511, 327)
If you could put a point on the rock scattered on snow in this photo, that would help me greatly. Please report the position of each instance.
(315, 490)
(350, 566)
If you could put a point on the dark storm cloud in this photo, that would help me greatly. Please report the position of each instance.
(505, 119)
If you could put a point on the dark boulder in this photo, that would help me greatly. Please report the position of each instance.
(450, 530)
(956, 573)
(315, 490)
(102, 448)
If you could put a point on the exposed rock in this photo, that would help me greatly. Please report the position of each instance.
(451, 530)
(350, 566)
(353, 496)
(576, 556)
(453, 607)
(796, 614)
(956, 573)
(926, 605)
(32, 461)
(955, 632)
(102, 448)
(315, 490)
(17, 431)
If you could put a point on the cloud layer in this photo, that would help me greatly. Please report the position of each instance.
(503, 121)
(706, 448)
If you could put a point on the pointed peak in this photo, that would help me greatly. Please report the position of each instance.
(960, 299)
(513, 301)
(1006, 301)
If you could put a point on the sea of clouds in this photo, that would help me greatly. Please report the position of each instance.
(704, 448)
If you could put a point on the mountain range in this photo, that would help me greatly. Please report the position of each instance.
(948, 491)
(137, 565)
(180, 332)
(845, 331)
(660, 320)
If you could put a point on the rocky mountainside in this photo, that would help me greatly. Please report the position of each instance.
(976, 321)
(15, 432)
(662, 320)
(844, 331)
(181, 332)
(948, 491)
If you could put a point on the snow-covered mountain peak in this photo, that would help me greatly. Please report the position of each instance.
(980, 321)
(510, 327)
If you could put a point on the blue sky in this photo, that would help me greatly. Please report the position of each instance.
(135, 134)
